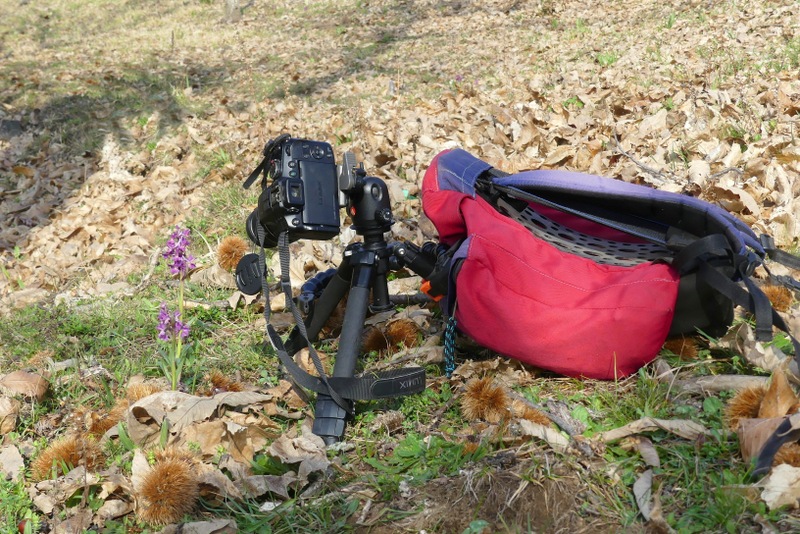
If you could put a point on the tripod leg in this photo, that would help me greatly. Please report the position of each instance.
(329, 418)
(333, 293)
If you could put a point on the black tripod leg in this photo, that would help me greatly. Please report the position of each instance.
(329, 417)
(333, 293)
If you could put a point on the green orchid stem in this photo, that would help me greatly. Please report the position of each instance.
(178, 342)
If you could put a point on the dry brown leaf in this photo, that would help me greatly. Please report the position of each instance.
(653, 123)
(181, 410)
(114, 508)
(238, 298)
(243, 442)
(139, 468)
(681, 427)
(49, 494)
(779, 398)
(76, 524)
(215, 486)
(642, 492)
(9, 409)
(698, 172)
(214, 276)
(645, 448)
(782, 487)
(29, 385)
(743, 340)
(547, 433)
(207, 436)
(304, 360)
(215, 526)
(753, 433)
(11, 462)
(295, 450)
(258, 485)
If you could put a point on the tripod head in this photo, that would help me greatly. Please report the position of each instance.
(366, 199)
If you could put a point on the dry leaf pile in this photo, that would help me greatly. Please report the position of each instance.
(182, 445)
(663, 113)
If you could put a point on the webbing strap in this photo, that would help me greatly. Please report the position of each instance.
(745, 298)
(393, 383)
(782, 257)
(698, 255)
(785, 433)
(645, 230)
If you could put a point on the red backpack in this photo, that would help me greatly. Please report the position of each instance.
(587, 276)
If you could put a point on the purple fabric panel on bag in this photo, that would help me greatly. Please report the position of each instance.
(449, 299)
(597, 185)
(458, 171)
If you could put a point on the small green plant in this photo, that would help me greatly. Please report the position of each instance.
(172, 329)
(669, 104)
(606, 59)
(573, 102)
(670, 22)
(423, 460)
(219, 159)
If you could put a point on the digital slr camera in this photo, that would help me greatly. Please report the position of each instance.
(303, 195)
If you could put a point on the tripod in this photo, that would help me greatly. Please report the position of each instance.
(361, 274)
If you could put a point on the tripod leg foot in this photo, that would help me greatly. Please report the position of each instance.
(329, 420)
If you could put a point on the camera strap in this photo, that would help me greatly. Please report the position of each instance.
(386, 384)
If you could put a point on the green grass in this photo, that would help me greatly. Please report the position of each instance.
(16, 506)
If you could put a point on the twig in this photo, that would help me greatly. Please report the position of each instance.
(726, 170)
(438, 415)
(433, 353)
(559, 421)
(718, 383)
(650, 170)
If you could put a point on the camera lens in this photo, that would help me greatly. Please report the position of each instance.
(252, 226)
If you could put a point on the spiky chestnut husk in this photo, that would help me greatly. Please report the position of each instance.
(788, 454)
(524, 411)
(98, 423)
(373, 340)
(744, 405)
(140, 390)
(217, 382)
(403, 332)
(67, 453)
(169, 490)
(779, 296)
(483, 399)
(230, 251)
(471, 446)
(684, 347)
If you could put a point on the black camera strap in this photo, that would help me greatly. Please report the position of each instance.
(395, 383)
(269, 154)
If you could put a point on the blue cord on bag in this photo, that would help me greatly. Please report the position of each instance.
(450, 345)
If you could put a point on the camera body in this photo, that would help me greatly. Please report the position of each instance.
(303, 196)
